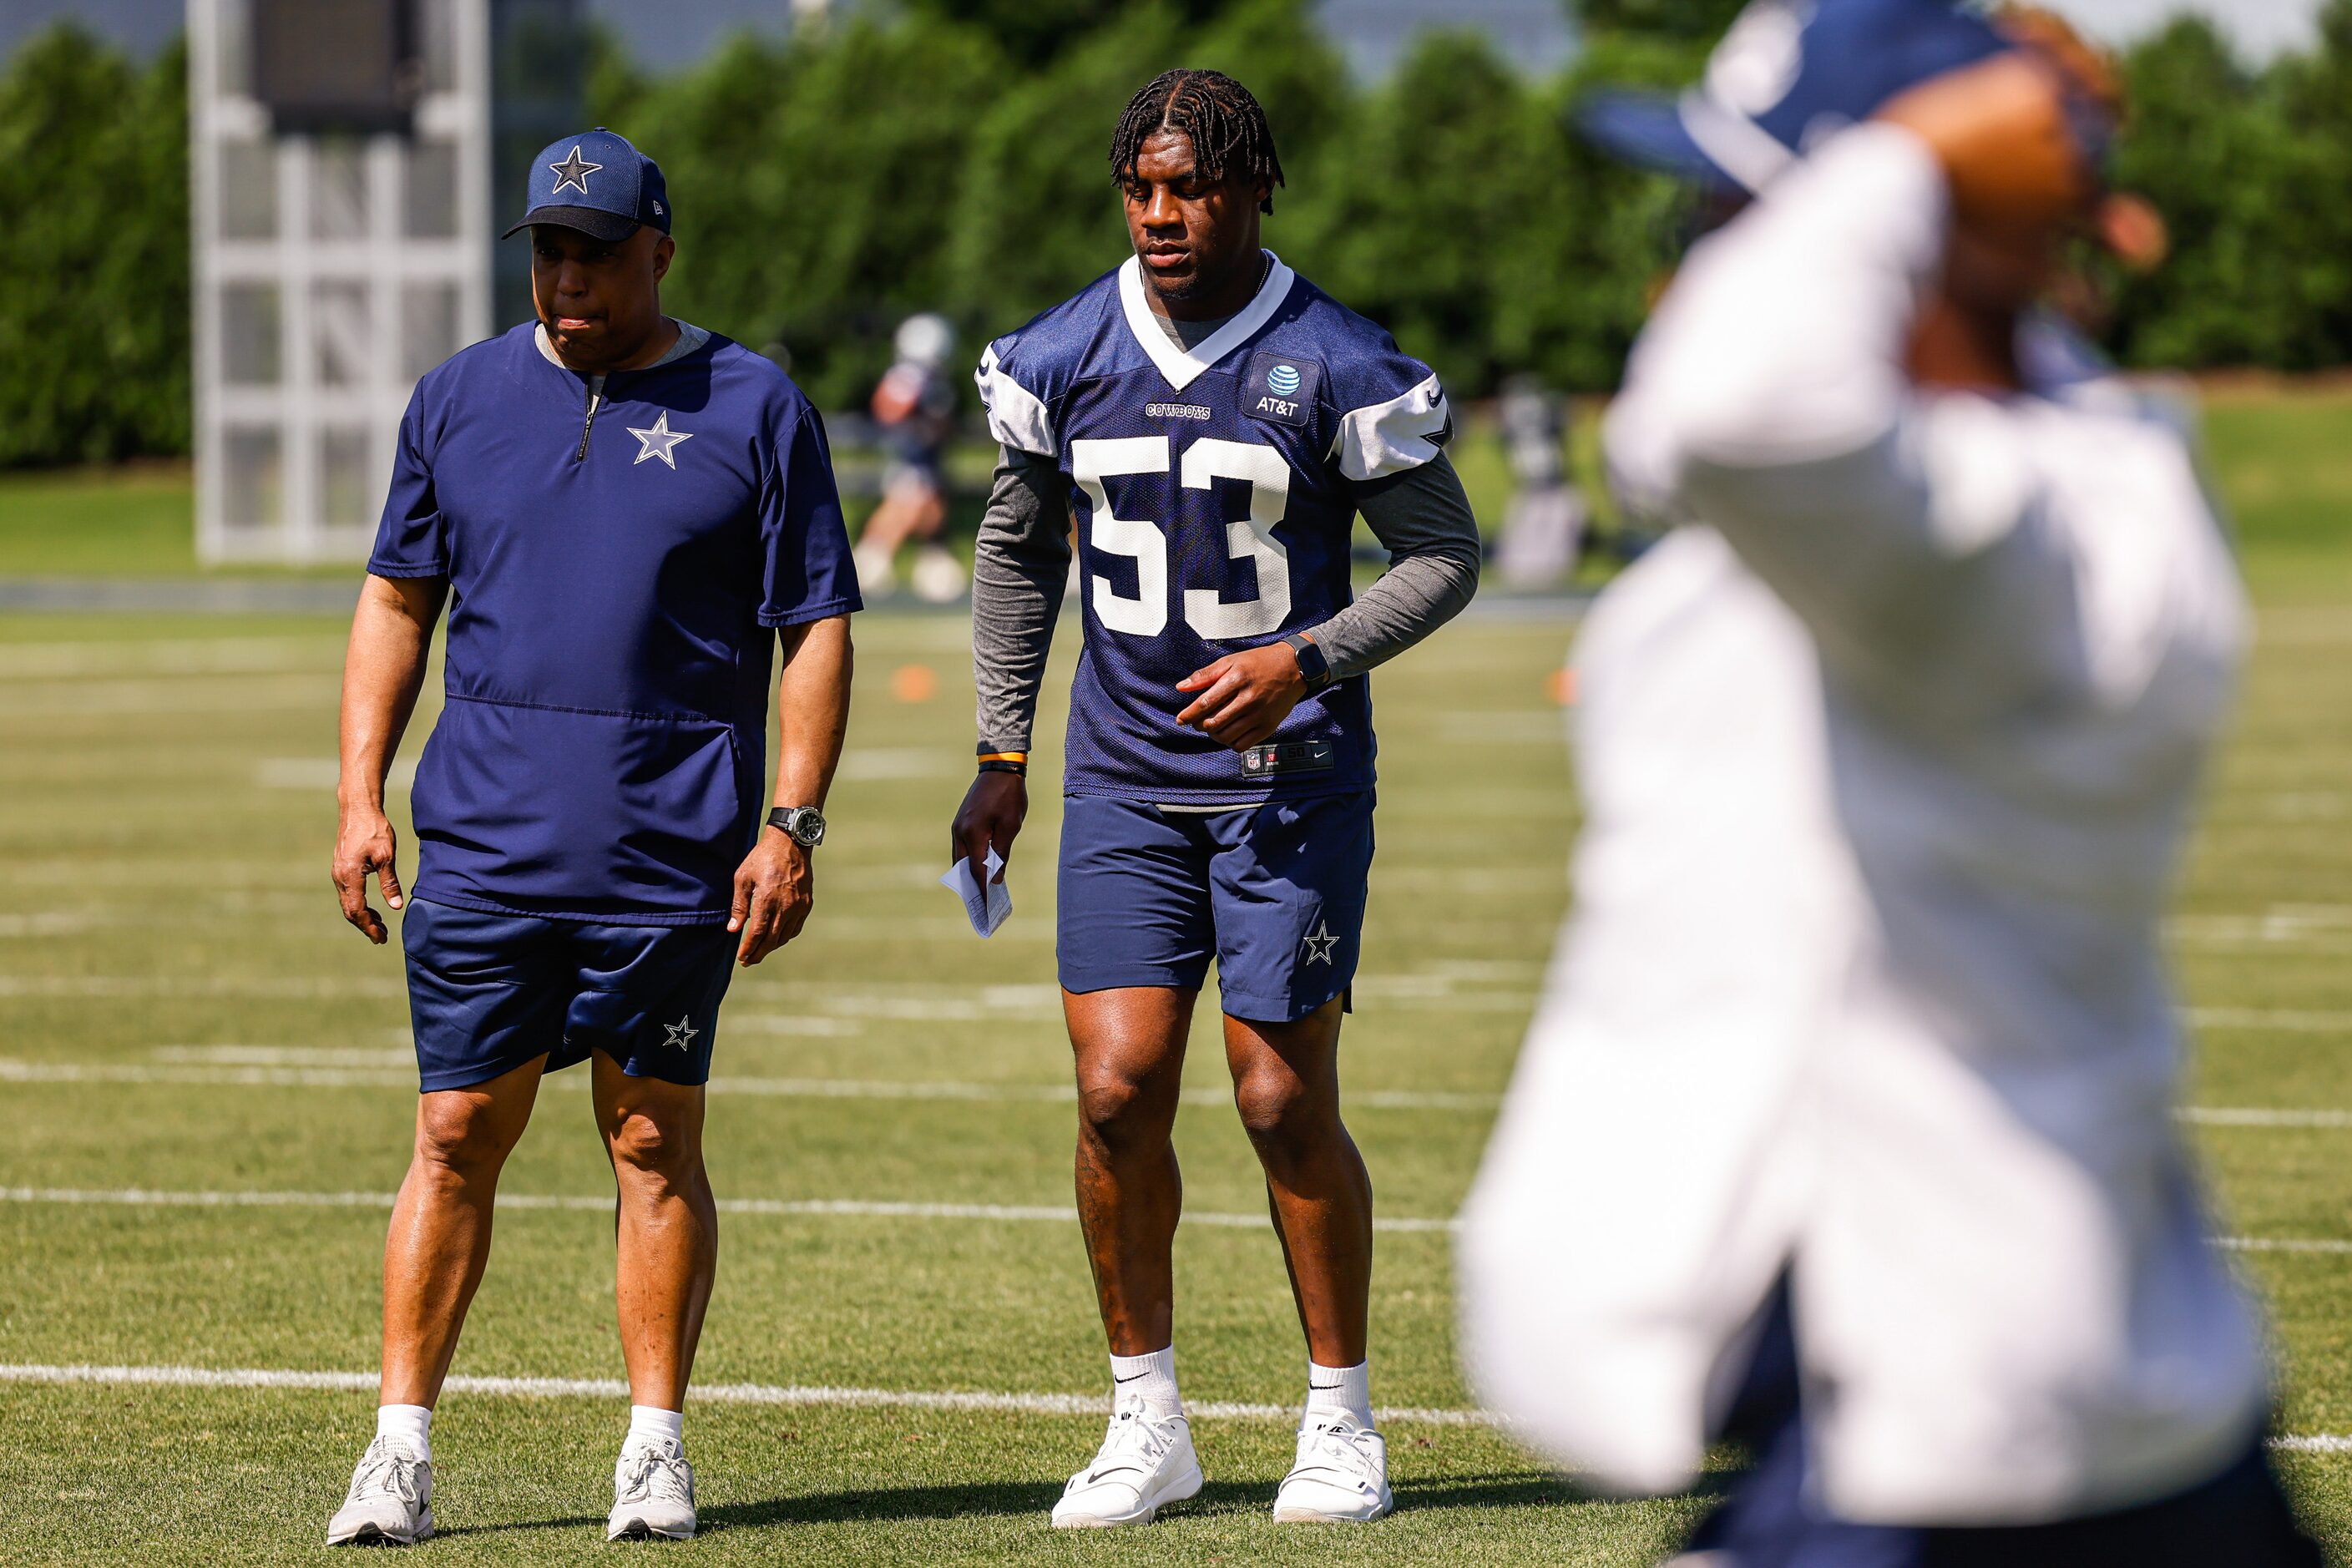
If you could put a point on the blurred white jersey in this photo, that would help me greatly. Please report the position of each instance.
(1887, 768)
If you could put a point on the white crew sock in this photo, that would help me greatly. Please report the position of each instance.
(662, 1428)
(410, 1426)
(1340, 1391)
(1149, 1378)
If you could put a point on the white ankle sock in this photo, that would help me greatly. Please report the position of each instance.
(656, 1425)
(1149, 1378)
(1341, 1390)
(410, 1426)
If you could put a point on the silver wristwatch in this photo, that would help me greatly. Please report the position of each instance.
(805, 823)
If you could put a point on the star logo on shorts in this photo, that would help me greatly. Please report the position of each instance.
(680, 1034)
(572, 172)
(1319, 943)
(660, 441)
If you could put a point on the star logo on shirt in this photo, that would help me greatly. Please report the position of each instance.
(572, 172)
(1319, 943)
(680, 1034)
(660, 441)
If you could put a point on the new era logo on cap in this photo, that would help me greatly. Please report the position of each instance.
(597, 183)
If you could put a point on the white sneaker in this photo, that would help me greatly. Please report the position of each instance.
(938, 577)
(652, 1493)
(1146, 1463)
(878, 572)
(390, 1502)
(1341, 1475)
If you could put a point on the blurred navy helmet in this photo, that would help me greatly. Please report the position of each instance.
(597, 183)
(1788, 73)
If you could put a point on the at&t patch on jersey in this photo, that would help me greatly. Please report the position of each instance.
(1281, 387)
(1213, 492)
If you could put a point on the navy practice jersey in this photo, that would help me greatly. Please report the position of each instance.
(613, 584)
(1214, 497)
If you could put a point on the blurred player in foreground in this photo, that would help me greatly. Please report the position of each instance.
(1221, 421)
(624, 513)
(915, 405)
(1847, 1121)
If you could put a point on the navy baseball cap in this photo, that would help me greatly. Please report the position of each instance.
(597, 183)
(1788, 73)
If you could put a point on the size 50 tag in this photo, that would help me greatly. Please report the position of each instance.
(1280, 388)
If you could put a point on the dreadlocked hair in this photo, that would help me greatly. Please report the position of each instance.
(1226, 126)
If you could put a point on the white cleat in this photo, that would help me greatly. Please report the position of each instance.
(390, 1502)
(652, 1493)
(1146, 1463)
(1340, 1475)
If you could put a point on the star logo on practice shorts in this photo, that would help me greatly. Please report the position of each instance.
(660, 441)
(680, 1034)
(1319, 943)
(1283, 379)
(572, 172)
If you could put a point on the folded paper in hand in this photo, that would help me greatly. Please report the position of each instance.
(989, 902)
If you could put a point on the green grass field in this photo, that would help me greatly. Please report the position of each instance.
(211, 1092)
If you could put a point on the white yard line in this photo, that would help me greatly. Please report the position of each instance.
(96, 986)
(2285, 1244)
(208, 656)
(2287, 1020)
(1092, 1405)
(291, 1066)
(841, 1208)
(824, 1396)
(2262, 1116)
(82, 699)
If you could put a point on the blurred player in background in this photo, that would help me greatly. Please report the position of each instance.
(1220, 423)
(915, 405)
(1847, 1122)
(1545, 523)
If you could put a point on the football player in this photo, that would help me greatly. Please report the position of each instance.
(1846, 1125)
(1213, 423)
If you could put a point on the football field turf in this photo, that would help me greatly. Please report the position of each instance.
(212, 1092)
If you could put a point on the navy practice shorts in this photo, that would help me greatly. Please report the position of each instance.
(2239, 1519)
(489, 993)
(1274, 893)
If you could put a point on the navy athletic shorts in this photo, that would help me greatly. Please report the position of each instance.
(488, 993)
(1773, 1519)
(1274, 893)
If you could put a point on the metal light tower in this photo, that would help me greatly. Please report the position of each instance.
(343, 191)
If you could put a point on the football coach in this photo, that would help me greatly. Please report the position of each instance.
(623, 514)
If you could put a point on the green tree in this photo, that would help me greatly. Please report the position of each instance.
(1034, 32)
(1035, 215)
(1704, 20)
(94, 322)
(815, 185)
(1465, 219)
(2214, 147)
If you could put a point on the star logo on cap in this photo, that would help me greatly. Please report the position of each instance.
(660, 441)
(573, 172)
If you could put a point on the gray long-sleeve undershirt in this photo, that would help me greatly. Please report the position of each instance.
(1020, 566)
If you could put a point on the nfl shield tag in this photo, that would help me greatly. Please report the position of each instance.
(1281, 389)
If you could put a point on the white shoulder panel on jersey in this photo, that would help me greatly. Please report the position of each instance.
(1015, 417)
(1385, 438)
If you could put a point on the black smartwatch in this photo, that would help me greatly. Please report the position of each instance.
(1311, 662)
(805, 824)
